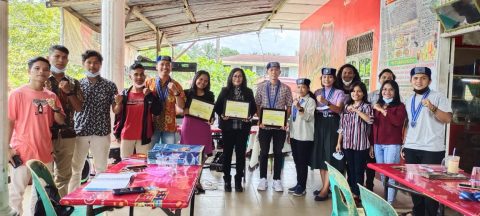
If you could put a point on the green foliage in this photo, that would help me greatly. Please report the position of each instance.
(32, 30)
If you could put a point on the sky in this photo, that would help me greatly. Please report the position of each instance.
(284, 42)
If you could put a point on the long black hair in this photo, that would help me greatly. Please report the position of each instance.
(396, 98)
(193, 87)
(243, 86)
(362, 86)
(339, 82)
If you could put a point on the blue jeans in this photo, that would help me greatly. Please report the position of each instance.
(163, 137)
(388, 154)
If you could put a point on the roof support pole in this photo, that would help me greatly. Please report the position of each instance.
(113, 40)
(4, 128)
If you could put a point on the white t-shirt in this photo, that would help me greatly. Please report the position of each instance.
(429, 133)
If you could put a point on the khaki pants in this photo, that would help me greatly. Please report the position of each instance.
(127, 147)
(99, 147)
(20, 177)
(62, 154)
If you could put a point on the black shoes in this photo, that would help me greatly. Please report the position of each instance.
(238, 184)
(228, 183)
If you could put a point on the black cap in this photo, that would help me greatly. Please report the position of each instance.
(273, 64)
(329, 71)
(421, 70)
(164, 58)
(303, 81)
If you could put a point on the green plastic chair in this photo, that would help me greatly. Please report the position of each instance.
(374, 204)
(343, 203)
(40, 171)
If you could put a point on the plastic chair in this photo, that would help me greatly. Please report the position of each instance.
(374, 204)
(40, 171)
(343, 203)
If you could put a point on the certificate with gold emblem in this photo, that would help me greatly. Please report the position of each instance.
(200, 109)
(274, 118)
(236, 109)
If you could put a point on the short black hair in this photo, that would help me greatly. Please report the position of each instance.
(135, 66)
(91, 53)
(60, 48)
(387, 70)
(36, 59)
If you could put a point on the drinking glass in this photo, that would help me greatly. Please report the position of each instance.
(475, 179)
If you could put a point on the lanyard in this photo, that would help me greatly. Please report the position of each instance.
(416, 111)
(272, 105)
(162, 94)
(295, 110)
(330, 94)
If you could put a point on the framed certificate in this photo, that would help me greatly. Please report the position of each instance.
(274, 118)
(236, 109)
(200, 109)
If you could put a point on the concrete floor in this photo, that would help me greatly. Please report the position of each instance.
(255, 203)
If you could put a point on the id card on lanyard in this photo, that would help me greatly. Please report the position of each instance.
(330, 95)
(162, 93)
(416, 111)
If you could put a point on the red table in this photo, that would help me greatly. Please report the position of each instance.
(444, 191)
(177, 189)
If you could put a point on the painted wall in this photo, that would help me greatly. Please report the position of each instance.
(324, 35)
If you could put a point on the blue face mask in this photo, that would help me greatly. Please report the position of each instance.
(90, 74)
(388, 100)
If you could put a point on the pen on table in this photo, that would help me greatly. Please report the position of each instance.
(428, 169)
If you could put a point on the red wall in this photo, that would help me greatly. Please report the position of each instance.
(319, 48)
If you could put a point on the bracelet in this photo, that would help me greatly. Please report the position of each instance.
(434, 109)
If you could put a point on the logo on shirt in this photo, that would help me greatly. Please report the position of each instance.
(39, 103)
(135, 102)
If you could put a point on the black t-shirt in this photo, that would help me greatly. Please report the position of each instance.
(207, 97)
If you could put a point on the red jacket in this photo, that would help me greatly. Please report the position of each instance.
(388, 129)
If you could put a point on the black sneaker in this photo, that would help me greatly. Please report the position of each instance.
(299, 191)
(293, 189)
(320, 198)
(316, 192)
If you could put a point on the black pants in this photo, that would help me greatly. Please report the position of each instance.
(370, 174)
(356, 161)
(423, 205)
(264, 137)
(301, 151)
(235, 139)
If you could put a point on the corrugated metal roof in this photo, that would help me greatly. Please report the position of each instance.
(188, 20)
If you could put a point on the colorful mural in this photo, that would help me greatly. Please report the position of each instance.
(324, 35)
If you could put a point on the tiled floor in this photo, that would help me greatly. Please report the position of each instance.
(252, 202)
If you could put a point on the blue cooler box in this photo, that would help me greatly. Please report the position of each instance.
(184, 154)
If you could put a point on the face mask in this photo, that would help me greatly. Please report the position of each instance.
(55, 70)
(90, 74)
(139, 86)
(347, 83)
(421, 91)
(388, 100)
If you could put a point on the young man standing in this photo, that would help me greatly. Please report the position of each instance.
(134, 128)
(170, 94)
(32, 109)
(428, 113)
(92, 123)
(70, 95)
(277, 95)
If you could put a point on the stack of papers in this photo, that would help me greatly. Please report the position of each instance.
(109, 181)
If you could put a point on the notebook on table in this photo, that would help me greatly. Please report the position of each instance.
(110, 181)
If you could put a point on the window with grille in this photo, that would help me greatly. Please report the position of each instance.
(360, 44)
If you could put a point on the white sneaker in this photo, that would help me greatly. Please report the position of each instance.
(263, 185)
(277, 185)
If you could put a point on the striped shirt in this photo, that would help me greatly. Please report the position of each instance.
(354, 129)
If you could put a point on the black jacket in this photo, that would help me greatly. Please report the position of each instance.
(220, 104)
(150, 102)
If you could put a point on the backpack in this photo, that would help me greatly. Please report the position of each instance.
(52, 193)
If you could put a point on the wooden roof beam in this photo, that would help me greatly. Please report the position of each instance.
(188, 11)
(84, 20)
(136, 12)
(68, 3)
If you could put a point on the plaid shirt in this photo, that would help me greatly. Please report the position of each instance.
(66, 131)
(284, 98)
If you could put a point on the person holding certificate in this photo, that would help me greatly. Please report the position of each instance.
(329, 105)
(301, 133)
(272, 95)
(428, 111)
(235, 130)
(196, 131)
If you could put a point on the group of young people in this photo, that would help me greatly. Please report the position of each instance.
(60, 120)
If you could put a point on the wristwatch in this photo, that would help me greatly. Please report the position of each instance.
(57, 110)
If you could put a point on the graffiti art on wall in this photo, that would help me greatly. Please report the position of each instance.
(318, 54)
